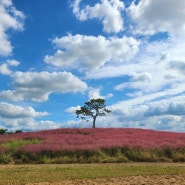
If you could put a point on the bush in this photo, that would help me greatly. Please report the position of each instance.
(3, 131)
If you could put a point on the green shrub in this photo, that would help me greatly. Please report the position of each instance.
(5, 159)
(11, 153)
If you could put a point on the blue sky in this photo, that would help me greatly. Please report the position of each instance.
(55, 55)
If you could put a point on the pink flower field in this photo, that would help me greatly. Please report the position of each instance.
(94, 139)
(75, 140)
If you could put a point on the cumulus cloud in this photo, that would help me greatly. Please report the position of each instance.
(94, 93)
(138, 81)
(178, 65)
(158, 16)
(157, 66)
(28, 124)
(37, 86)
(145, 76)
(11, 95)
(11, 18)
(72, 110)
(151, 111)
(77, 124)
(91, 52)
(4, 68)
(108, 11)
(16, 117)
(10, 111)
(167, 108)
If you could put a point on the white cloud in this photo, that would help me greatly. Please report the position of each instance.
(94, 93)
(4, 68)
(11, 95)
(16, 117)
(167, 108)
(37, 86)
(156, 66)
(91, 52)
(13, 62)
(13, 111)
(6, 2)
(72, 110)
(108, 11)
(28, 124)
(138, 81)
(77, 124)
(178, 65)
(145, 76)
(152, 16)
(155, 112)
(10, 19)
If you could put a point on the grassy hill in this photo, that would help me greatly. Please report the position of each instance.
(92, 146)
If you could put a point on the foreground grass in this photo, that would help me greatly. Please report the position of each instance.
(22, 174)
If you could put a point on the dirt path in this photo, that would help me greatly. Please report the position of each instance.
(132, 180)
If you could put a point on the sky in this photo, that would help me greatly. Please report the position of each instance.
(55, 55)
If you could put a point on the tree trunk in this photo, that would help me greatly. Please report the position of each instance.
(94, 122)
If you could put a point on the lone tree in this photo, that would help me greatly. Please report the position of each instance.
(93, 108)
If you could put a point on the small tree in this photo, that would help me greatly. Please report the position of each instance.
(93, 108)
(3, 131)
(18, 131)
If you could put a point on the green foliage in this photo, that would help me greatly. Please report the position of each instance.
(18, 131)
(112, 155)
(10, 148)
(5, 159)
(3, 131)
(14, 145)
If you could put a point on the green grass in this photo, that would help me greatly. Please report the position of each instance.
(111, 155)
(14, 144)
(11, 147)
(22, 174)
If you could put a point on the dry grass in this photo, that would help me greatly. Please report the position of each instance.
(24, 174)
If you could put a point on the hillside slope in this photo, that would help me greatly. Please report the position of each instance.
(92, 145)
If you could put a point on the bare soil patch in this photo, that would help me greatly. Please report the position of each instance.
(129, 180)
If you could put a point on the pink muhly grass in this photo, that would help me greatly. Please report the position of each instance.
(37, 148)
(97, 138)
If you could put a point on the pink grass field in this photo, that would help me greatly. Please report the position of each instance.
(97, 138)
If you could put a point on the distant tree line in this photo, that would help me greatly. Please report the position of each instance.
(6, 132)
